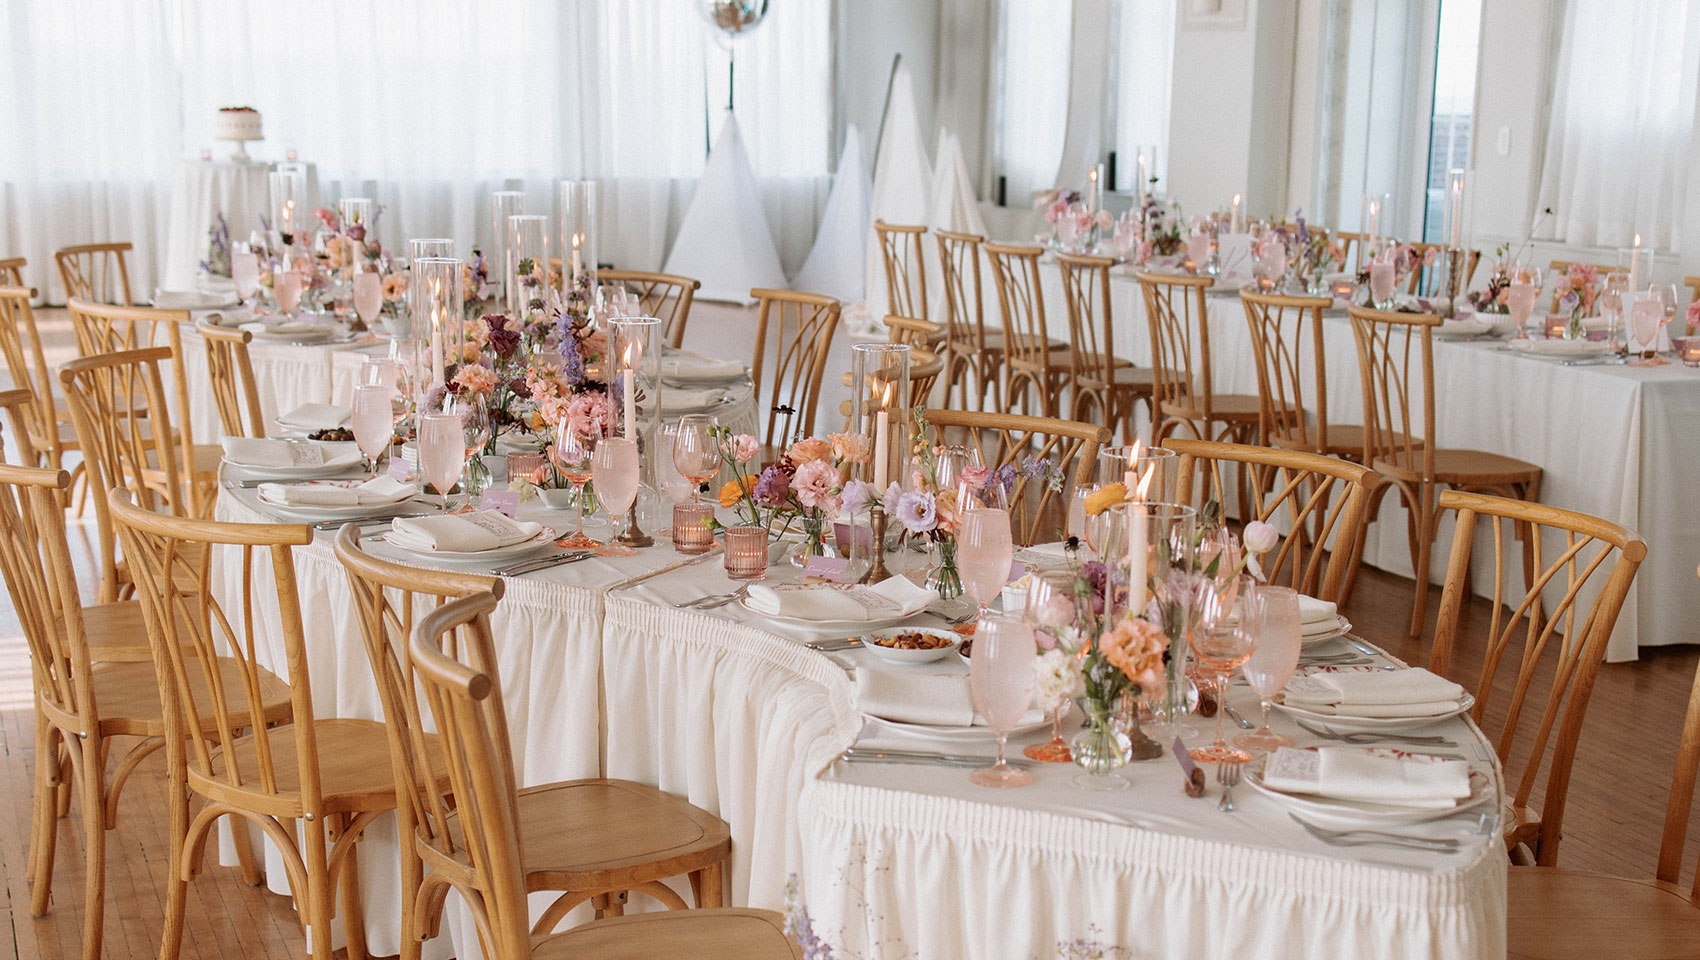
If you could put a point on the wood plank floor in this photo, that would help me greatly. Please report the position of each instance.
(1615, 812)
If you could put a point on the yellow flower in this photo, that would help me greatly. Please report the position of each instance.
(732, 492)
(1104, 498)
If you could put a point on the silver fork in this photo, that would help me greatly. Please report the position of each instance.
(714, 599)
(1228, 775)
(1360, 738)
(1360, 838)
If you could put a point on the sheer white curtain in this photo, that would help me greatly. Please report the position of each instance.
(428, 106)
(1622, 122)
(1033, 94)
(1145, 68)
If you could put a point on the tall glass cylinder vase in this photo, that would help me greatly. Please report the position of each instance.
(408, 325)
(526, 271)
(434, 292)
(578, 233)
(634, 388)
(879, 408)
(503, 204)
(286, 208)
(1114, 464)
(359, 212)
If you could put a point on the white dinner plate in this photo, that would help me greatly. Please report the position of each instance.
(1561, 348)
(1030, 721)
(544, 538)
(1347, 814)
(193, 300)
(316, 512)
(855, 627)
(1339, 628)
(324, 335)
(340, 456)
(1347, 724)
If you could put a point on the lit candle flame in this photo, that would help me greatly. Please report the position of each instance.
(1145, 482)
(885, 398)
(626, 356)
(575, 241)
(1637, 239)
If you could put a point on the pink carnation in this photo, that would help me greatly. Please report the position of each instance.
(477, 378)
(745, 448)
(815, 484)
(592, 412)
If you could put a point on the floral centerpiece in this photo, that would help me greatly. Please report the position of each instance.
(1576, 291)
(217, 263)
(806, 487)
(929, 510)
(1496, 296)
(1310, 254)
(477, 292)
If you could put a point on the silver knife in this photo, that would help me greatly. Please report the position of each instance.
(874, 755)
(532, 566)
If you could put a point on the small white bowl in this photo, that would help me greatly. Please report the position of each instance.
(894, 655)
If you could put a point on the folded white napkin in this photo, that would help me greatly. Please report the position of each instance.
(675, 400)
(892, 598)
(1559, 348)
(1464, 326)
(1312, 610)
(187, 300)
(694, 369)
(1374, 693)
(1352, 773)
(378, 491)
(315, 416)
(461, 532)
(264, 453)
(282, 328)
(910, 697)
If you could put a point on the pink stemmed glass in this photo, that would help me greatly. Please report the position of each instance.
(614, 467)
(1274, 613)
(374, 426)
(1000, 679)
(984, 550)
(570, 452)
(442, 452)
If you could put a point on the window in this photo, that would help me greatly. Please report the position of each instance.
(1144, 75)
(1454, 103)
(1032, 106)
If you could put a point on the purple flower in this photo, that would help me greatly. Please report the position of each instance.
(917, 512)
(1096, 575)
(857, 495)
(1569, 302)
(772, 487)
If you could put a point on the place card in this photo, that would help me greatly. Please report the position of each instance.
(1234, 260)
(1194, 785)
(398, 469)
(827, 568)
(505, 502)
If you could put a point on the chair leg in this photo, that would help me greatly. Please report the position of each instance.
(176, 884)
(412, 870)
(321, 890)
(1425, 534)
(44, 826)
(709, 884)
(94, 850)
(348, 887)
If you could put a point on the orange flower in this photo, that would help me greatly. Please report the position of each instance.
(803, 451)
(732, 492)
(1105, 497)
(1135, 647)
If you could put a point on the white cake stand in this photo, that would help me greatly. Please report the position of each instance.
(240, 154)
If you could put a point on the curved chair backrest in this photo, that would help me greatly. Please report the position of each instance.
(1050, 457)
(959, 270)
(901, 247)
(26, 363)
(663, 295)
(35, 558)
(1547, 625)
(1179, 324)
(803, 326)
(1091, 332)
(1394, 348)
(95, 272)
(1292, 370)
(230, 373)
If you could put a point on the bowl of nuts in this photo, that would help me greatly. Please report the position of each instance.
(910, 644)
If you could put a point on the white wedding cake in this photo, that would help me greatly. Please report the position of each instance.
(237, 123)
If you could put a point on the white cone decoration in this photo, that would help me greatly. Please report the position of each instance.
(724, 240)
(836, 263)
(901, 175)
(954, 208)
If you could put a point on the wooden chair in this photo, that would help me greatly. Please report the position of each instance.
(1389, 344)
(970, 349)
(45, 424)
(1693, 285)
(802, 325)
(1184, 395)
(1322, 502)
(230, 373)
(12, 271)
(1036, 367)
(104, 329)
(1292, 376)
(1351, 243)
(82, 705)
(1539, 634)
(321, 780)
(913, 331)
(95, 272)
(901, 247)
(1101, 382)
(1563, 266)
(569, 845)
(1038, 509)
(1558, 914)
(924, 370)
(453, 656)
(663, 295)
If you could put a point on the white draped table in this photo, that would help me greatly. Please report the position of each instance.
(203, 189)
(1612, 441)
(736, 715)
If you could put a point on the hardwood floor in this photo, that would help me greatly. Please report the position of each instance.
(1613, 820)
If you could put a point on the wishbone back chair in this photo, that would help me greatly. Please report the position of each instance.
(1036, 367)
(970, 348)
(230, 374)
(1105, 386)
(47, 431)
(1049, 457)
(901, 248)
(1183, 393)
(663, 295)
(95, 272)
(802, 326)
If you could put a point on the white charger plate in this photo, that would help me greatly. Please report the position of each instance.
(978, 730)
(326, 512)
(1347, 723)
(340, 457)
(842, 626)
(544, 538)
(1560, 348)
(1347, 814)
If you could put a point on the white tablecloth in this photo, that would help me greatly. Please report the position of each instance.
(1612, 441)
(734, 715)
(200, 191)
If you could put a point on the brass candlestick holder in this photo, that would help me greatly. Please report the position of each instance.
(1455, 259)
(876, 569)
(634, 535)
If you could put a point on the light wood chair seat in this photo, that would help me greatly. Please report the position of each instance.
(609, 835)
(128, 693)
(354, 767)
(1557, 914)
(1226, 407)
(116, 632)
(1128, 375)
(724, 934)
(1467, 469)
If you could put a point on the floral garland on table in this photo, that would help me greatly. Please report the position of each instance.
(807, 486)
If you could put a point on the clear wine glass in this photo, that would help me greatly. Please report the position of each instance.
(1613, 301)
(696, 450)
(1381, 281)
(614, 466)
(1645, 317)
(1665, 293)
(1221, 640)
(1274, 613)
(570, 453)
(678, 489)
(1053, 610)
(368, 296)
(1000, 679)
(475, 427)
(373, 426)
(442, 452)
(984, 552)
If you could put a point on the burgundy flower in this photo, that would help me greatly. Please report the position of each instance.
(502, 340)
(772, 487)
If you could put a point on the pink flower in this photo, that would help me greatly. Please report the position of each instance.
(592, 411)
(974, 477)
(815, 484)
(1104, 220)
(1135, 647)
(477, 378)
(745, 448)
(395, 286)
(808, 451)
(1693, 316)
(1145, 249)
(1055, 211)
(850, 447)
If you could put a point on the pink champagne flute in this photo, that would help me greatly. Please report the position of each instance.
(1274, 613)
(287, 287)
(374, 426)
(984, 552)
(1000, 679)
(442, 452)
(570, 452)
(368, 296)
(696, 449)
(614, 466)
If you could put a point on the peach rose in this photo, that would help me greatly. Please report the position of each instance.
(477, 378)
(395, 287)
(850, 447)
(1135, 647)
(807, 451)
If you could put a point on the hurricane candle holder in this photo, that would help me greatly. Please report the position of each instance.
(746, 553)
(879, 407)
(359, 212)
(285, 208)
(634, 351)
(691, 533)
(525, 272)
(578, 230)
(434, 293)
(503, 204)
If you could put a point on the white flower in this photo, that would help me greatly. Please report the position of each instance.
(1259, 537)
(1056, 679)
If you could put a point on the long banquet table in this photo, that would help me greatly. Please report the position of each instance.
(1612, 441)
(736, 715)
